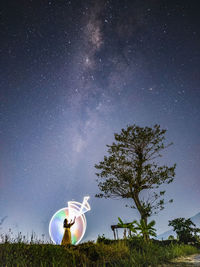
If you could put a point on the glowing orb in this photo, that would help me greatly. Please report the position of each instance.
(74, 209)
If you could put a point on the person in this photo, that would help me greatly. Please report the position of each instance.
(66, 240)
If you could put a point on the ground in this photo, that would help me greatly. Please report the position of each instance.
(193, 260)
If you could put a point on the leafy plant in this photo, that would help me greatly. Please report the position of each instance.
(185, 229)
(171, 237)
(146, 230)
(129, 226)
(140, 228)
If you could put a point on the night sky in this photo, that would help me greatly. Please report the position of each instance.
(72, 73)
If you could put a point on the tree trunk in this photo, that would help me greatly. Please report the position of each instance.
(142, 212)
(145, 234)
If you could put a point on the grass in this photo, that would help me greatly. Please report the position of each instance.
(104, 252)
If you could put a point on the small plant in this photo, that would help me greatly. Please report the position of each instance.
(129, 226)
(146, 230)
(140, 228)
(103, 240)
(171, 237)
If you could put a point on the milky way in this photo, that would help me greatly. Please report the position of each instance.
(75, 72)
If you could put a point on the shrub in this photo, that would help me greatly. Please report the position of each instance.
(106, 252)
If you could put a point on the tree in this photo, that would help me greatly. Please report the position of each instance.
(131, 168)
(185, 229)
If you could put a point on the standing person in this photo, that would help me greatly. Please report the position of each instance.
(66, 240)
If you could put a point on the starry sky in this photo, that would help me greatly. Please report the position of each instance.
(72, 73)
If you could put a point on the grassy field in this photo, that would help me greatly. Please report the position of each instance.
(104, 252)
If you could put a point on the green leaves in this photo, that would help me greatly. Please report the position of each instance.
(145, 229)
(129, 226)
(185, 229)
(130, 168)
(139, 228)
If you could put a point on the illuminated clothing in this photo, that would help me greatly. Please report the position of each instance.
(66, 240)
(66, 237)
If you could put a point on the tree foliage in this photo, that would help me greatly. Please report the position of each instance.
(131, 168)
(185, 229)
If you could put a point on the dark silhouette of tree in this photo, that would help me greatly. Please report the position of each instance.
(185, 229)
(131, 168)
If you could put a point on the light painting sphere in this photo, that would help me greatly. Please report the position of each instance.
(56, 230)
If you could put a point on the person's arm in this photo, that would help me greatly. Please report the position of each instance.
(73, 221)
